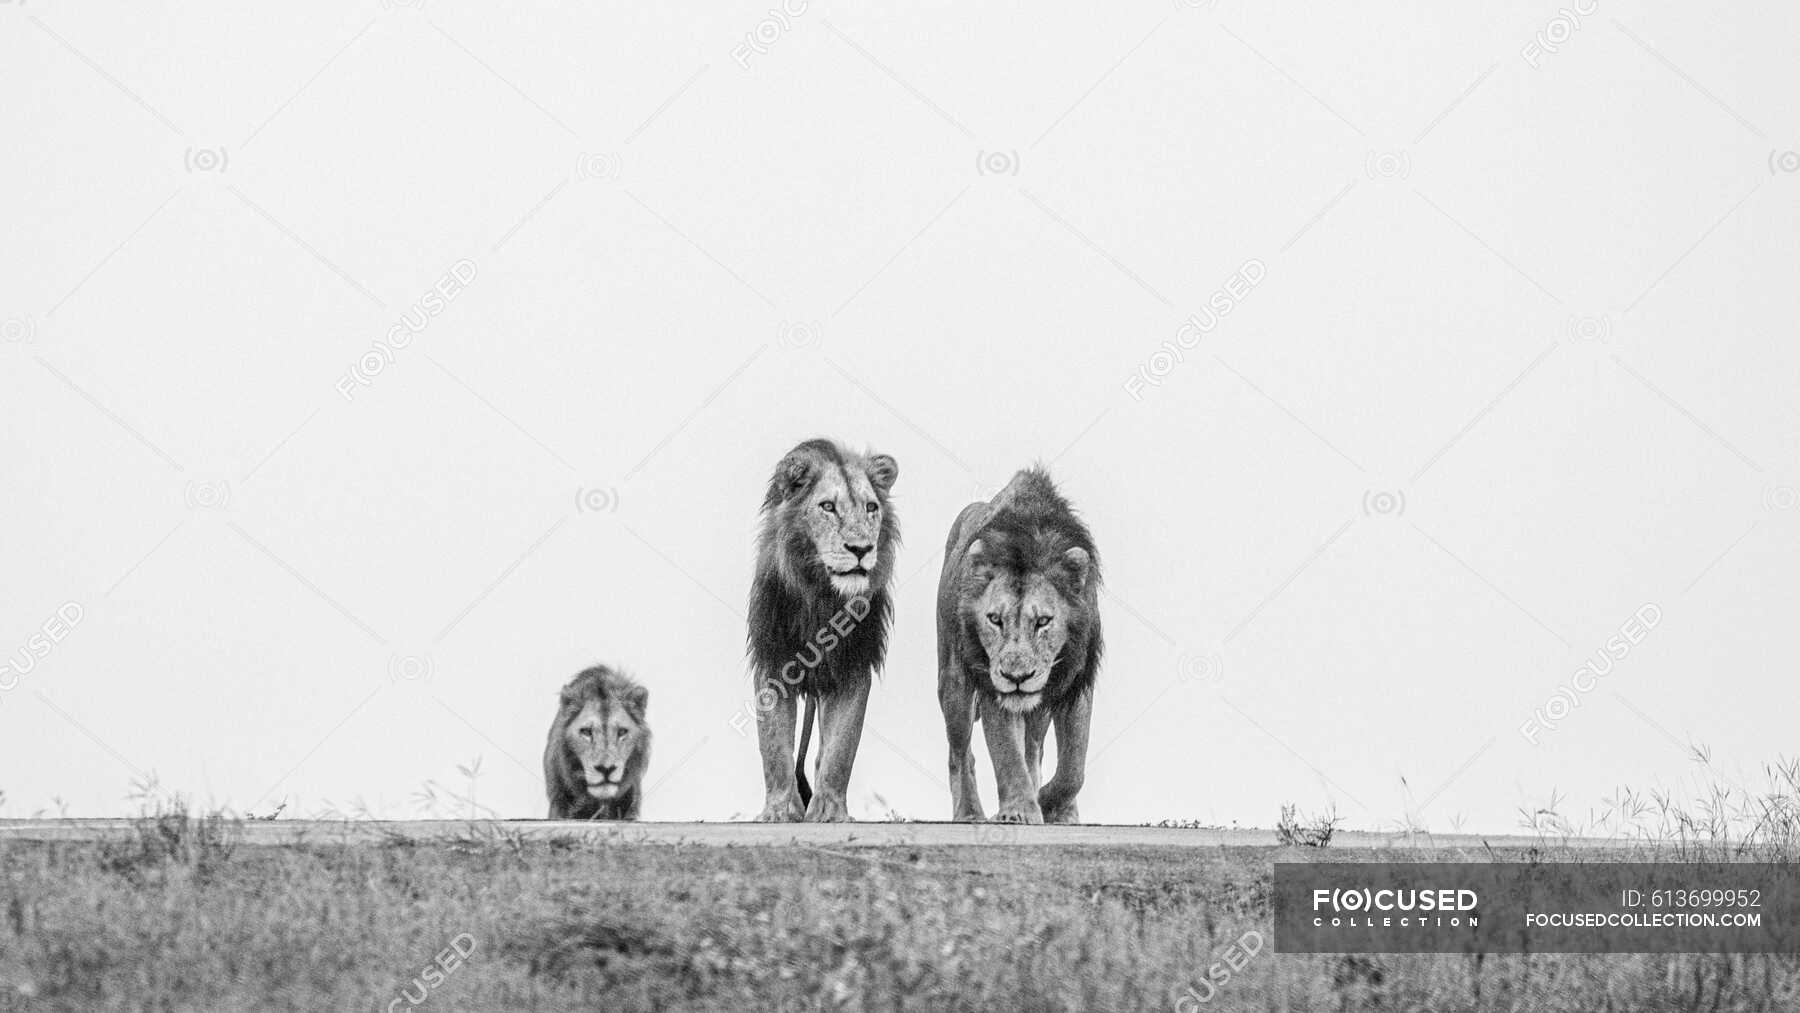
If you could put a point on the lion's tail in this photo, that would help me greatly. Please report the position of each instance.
(806, 725)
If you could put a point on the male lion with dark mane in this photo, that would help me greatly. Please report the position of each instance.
(598, 749)
(1018, 647)
(819, 617)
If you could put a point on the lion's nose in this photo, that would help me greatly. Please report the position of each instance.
(606, 771)
(859, 551)
(1015, 679)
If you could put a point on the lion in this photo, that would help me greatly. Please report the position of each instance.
(1019, 645)
(599, 748)
(819, 617)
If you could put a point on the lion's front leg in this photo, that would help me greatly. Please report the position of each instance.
(1058, 797)
(1005, 733)
(957, 701)
(775, 737)
(840, 732)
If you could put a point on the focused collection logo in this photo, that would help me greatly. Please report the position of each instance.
(1395, 908)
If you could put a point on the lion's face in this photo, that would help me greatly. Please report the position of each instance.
(1023, 621)
(604, 737)
(838, 508)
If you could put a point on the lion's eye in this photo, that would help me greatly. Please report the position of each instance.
(994, 617)
(587, 733)
(873, 508)
(828, 506)
(619, 733)
(1042, 621)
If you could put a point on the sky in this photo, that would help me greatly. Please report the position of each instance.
(367, 370)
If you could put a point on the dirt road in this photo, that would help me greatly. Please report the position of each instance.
(278, 832)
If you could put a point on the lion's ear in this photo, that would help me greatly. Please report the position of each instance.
(884, 471)
(976, 554)
(796, 472)
(636, 699)
(1080, 565)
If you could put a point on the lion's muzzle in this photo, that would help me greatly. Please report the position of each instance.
(605, 781)
(1019, 689)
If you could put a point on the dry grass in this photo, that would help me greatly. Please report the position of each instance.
(182, 916)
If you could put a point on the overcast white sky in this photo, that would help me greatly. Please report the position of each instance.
(1519, 360)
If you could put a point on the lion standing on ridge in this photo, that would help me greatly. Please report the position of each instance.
(819, 617)
(1018, 647)
(598, 749)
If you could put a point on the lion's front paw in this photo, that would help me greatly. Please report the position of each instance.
(783, 808)
(827, 808)
(1019, 813)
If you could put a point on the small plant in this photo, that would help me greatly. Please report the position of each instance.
(888, 812)
(1547, 820)
(1724, 817)
(165, 836)
(62, 809)
(328, 810)
(435, 801)
(1292, 830)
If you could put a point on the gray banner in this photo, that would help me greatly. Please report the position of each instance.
(1609, 907)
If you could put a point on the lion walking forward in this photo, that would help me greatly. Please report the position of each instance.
(598, 748)
(1019, 645)
(819, 617)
